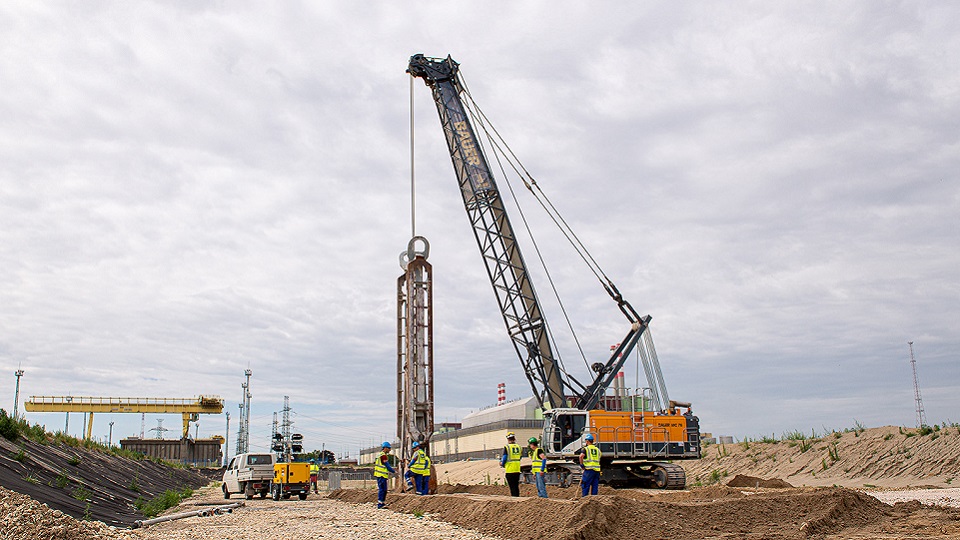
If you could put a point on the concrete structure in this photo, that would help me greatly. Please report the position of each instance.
(481, 434)
(199, 452)
(518, 409)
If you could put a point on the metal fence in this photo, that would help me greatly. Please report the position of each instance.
(334, 480)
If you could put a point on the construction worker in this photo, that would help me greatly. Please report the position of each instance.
(419, 469)
(381, 471)
(510, 461)
(590, 461)
(314, 474)
(539, 458)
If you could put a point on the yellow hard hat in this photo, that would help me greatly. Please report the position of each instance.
(510, 435)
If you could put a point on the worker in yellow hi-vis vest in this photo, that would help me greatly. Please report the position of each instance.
(510, 461)
(590, 461)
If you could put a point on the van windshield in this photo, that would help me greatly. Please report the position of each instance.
(259, 459)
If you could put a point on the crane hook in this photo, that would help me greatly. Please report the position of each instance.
(412, 253)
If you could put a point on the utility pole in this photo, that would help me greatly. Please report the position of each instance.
(243, 437)
(16, 398)
(286, 427)
(110, 438)
(240, 432)
(921, 417)
(143, 424)
(226, 443)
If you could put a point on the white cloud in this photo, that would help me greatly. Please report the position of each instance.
(187, 190)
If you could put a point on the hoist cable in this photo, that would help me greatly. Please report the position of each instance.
(548, 206)
(413, 191)
(482, 122)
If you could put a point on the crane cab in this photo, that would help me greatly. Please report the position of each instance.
(622, 434)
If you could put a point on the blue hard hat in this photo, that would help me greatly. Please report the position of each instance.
(416, 444)
(385, 445)
(589, 437)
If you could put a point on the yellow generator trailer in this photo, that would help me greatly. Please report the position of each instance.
(290, 479)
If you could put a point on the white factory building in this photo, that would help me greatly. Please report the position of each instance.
(481, 434)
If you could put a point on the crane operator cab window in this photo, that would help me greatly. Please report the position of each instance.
(569, 427)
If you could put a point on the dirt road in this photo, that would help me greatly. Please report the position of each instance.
(316, 517)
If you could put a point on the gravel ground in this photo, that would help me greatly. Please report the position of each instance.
(935, 497)
(316, 517)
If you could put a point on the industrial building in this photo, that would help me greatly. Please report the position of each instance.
(481, 434)
(196, 452)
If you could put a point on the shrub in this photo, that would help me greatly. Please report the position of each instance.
(833, 452)
(80, 494)
(9, 427)
(62, 480)
(74, 460)
(167, 499)
(19, 456)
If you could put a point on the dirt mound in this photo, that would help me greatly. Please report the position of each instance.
(22, 518)
(88, 484)
(715, 511)
(890, 457)
(527, 490)
(742, 480)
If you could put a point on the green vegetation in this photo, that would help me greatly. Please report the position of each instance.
(81, 494)
(715, 476)
(925, 430)
(745, 443)
(134, 485)
(418, 513)
(167, 499)
(20, 455)
(62, 480)
(833, 452)
(74, 460)
(31, 478)
(769, 440)
(9, 428)
(888, 436)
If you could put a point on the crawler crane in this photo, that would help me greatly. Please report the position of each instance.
(638, 446)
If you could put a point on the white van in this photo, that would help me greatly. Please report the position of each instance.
(249, 474)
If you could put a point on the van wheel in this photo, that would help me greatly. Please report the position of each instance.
(226, 494)
(303, 496)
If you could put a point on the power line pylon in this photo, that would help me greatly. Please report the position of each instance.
(921, 417)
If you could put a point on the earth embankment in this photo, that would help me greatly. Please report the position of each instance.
(88, 484)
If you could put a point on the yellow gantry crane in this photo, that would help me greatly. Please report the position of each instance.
(189, 408)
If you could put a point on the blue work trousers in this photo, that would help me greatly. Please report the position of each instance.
(381, 489)
(541, 484)
(590, 482)
(422, 483)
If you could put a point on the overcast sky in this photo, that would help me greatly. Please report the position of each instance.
(188, 189)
